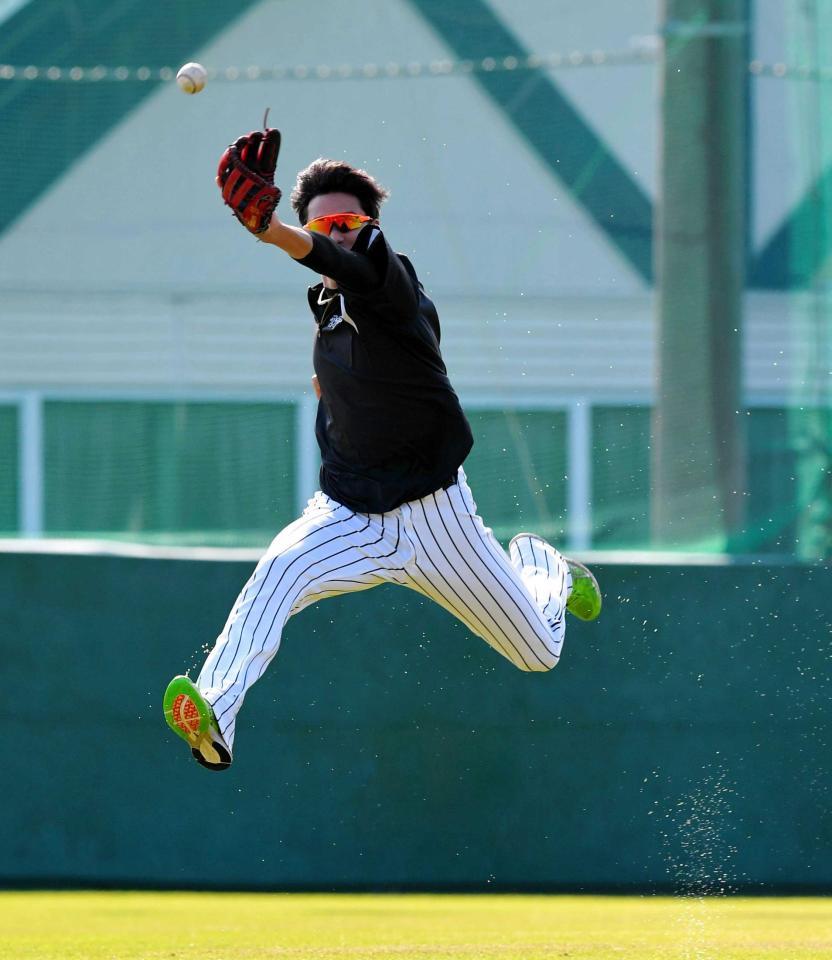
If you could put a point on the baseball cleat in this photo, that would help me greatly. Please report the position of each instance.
(585, 597)
(190, 716)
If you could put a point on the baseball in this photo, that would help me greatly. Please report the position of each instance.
(191, 77)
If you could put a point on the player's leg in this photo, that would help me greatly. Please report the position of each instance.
(517, 607)
(329, 550)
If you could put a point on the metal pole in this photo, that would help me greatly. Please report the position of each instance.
(30, 465)
(698, 449)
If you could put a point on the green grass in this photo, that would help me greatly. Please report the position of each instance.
(217, 926)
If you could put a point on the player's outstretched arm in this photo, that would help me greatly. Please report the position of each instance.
(245, 177)
(294, 241)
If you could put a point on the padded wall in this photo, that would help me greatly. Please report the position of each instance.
(682, 742)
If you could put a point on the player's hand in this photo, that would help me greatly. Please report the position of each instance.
(245, 177)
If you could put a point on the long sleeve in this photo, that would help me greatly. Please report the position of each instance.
(350, 269)
(370, 270)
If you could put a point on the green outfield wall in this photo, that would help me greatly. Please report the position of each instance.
(682, 743)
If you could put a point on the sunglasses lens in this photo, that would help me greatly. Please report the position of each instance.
(344, 222)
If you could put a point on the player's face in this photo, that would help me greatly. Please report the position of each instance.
(326, 204)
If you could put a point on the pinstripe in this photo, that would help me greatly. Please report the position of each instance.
(354, 587)
(559, 594)
(349, 547)
(437, 596)
(536, 582)
(360, 584)
(544, 604)
(331, 550)
(412, 583)
(538, 597)
(289, 601)
(497, 552)
(303, 520)
(285, 595)
(332, 591)
(499, 584)
(482, 631)
(262, 587)
(505, 613)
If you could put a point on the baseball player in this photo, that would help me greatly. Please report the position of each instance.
(394, 505)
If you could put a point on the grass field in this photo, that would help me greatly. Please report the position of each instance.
(217, 926)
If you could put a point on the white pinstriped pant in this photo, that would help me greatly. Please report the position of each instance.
(437, 546)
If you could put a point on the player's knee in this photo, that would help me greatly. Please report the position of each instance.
(541, 663)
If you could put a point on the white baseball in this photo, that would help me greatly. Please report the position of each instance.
(191, 77)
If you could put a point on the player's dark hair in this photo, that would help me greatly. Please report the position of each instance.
(337, 176)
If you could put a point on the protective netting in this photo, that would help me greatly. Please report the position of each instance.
(624, 221)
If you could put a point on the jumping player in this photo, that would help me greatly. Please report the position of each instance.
(394, 505)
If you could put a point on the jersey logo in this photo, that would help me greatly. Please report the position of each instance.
(337, 318)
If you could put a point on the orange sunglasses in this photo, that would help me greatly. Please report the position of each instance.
(342, 221)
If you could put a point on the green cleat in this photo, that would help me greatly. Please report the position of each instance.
(190, 716)
(585, 597)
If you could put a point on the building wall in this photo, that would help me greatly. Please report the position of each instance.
(126, 270)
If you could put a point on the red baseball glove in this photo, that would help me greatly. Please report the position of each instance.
(246, 178)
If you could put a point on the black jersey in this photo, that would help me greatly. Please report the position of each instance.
(389, 426)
